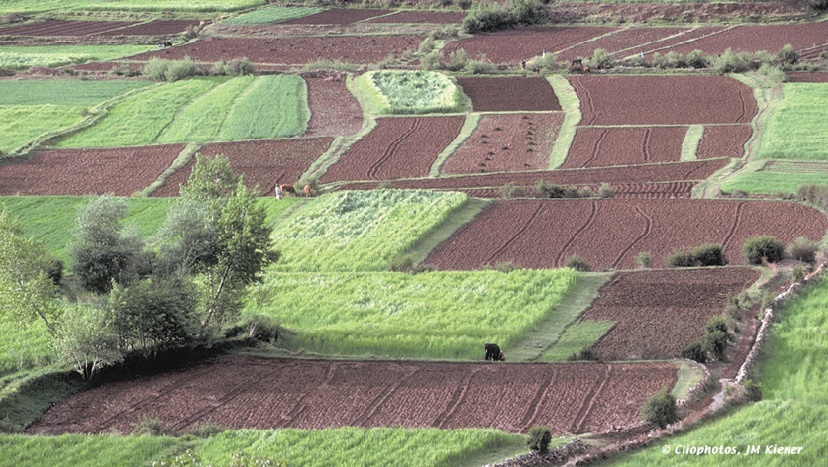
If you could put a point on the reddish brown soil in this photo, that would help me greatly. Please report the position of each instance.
(663, 100)
(515, 45)
(421, 17)
(338, 16)
(610, 233)
(625, 42)
(120, 171)
(752, 38)
(659, 313)
(334, 110)
(507, 142)
(602, 147)
(657, 190)
(675, 12)
(510, 94)
(155, 28)
(247, 392)
(56, 27)
(296, 50)
(724, 141)
(641, 176)
(400, 147)
(808, 77)
(262, 162)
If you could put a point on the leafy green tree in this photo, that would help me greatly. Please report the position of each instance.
(218, 231)
(26, 290)
(660, 409)
(87, 339)
(104, 251)
(156, 313)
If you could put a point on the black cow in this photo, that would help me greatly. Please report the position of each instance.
(493, 352)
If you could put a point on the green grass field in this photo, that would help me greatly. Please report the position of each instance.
(63, 92)
(444, 315)
(20, 57)
(796, 129)
(344, 447)
(27, 6)
(274, 14)
(575, 338)
(203, 109)
(411, 92)
(23, 348)
(794, 409)
(20, 124)
(359, 230)
(771, 182)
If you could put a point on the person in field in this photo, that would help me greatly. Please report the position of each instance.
(493, 352)
(278, 192)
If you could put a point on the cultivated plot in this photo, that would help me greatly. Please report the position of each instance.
(658, 313)
(607, 146)
(338, 16)
(610, 233)
(724, 141)
(57, 27)
(334, 111)
(663, 100)
(506, 142)
(263, 163)
(509, 94)
(244, 392)
(401, 147)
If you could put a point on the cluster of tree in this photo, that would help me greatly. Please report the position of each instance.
(139, 297)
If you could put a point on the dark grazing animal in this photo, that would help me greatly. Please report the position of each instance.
(493, 352)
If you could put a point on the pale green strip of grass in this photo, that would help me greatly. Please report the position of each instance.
(202, 118)
(30, 7)
(138, 119)
(272, 107)
(360, 230)
(273, 14)
(411, 92)
(458, 218)
(689, 375)
(771, 182)
(576, 337)
(472, 120)
(691, 142)
(533, 346)
(51, 219)
(444, 315)
(570, 104)
(21, 124)
(359, 446)
(84, 450)
(168, 5)
(63, 92)
(707, 188)
(796, 129)
(18, 57)
(794, 409)
(181, 161)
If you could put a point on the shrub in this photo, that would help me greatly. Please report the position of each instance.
(456, 61)
(150, 426)
(478, 67)
(715, 344)
(732, 62)
(600, 59)
(539, 439)
(798, 274)
(814, 194)
(426, 46)
(773, 74)
(506, 266)
(695, 351)
(605, 191)
(802, 249)
(681, 259)
(511, 190)
(697, 59)
(818, 5)
(235, 67)
(403, 263)
(643, 259)
(587, 354)
(487, 18)
(575, 262)
(55, 270)
(171, 70)
(660, 409)
(709, 254)
(552, 191)
(753, 391)
(759, 247)
(430, 61)
(787, 56)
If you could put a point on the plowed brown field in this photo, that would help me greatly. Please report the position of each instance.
(659, 313)
(56, 27)
(663, 100)
(246, 392)
(602, 147)
(610, 233)
(509, 94)
(514, 45)
(338, 16)
(626, 42)
(295, 50)
(397, 147)
(507, 142)
(724, 141)
(120, 171)
(421, 17)
(334, 110)
(752, 38)
(263, 162)
(155, 28)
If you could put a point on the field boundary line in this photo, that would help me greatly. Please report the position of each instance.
(456, 399)
(652, 43)
(517, 234)
(469, 125)
(571, 105)
(540, 394)
(179, 110)
(590, 218)
(695, 39)
(455, 220)
(648, 228)
(691, 142)
(181, 161)
(96, 113)
(392, 147)
(257, 81)
(589, 402)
